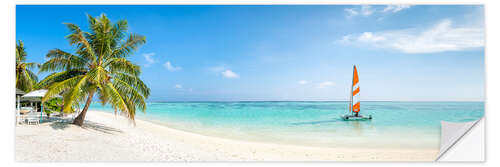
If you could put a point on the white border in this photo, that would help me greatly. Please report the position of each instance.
(7, 9)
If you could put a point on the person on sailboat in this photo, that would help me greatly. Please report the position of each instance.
(354, 101)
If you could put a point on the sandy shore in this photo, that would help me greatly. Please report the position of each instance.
(106, 137)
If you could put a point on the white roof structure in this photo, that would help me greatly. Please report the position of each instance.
(19, 92)
(37, 95)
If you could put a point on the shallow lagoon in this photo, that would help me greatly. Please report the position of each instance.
(394, 124)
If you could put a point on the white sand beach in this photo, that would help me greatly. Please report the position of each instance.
(106, 137)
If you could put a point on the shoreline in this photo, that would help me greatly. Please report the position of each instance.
(339, 141)
(115, 139)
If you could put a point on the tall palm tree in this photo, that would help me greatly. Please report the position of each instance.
(98, 67)
(25, 78)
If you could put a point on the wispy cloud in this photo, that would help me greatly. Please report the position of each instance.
(364, 10)
(367, 10)
(230, 74)
(170, 67)
(303, 82)
(181, 88)
(149, 59)
(326, 84)
(395, 8)
(219, 68)
(439, 38)
(224, 70)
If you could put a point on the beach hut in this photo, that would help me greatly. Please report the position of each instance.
(19, 94)
(36, 96)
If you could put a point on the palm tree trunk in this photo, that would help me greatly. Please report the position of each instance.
(79, 119)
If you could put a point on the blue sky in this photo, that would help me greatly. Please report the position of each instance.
(198, 53)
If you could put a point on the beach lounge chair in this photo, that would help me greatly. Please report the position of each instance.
(22, 115)
(20, 119)
(33, 120)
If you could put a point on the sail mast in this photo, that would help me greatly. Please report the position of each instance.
(350, 93)
(355, 92)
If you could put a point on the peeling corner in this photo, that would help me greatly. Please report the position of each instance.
(451, 133)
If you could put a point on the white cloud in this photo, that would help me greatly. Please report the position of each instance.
(149, 58)
(178, 86)
(170, 67)
(218, 69)
(224, 70)
(351, 11)
(439, 38)
(230, 74)
(346, 39)
(369, 37)
(395, 8)
(367, 10)
(326, 84)
(303, 82)
(364, 10)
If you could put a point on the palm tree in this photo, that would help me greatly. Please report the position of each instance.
(99, 66)
(25, 78)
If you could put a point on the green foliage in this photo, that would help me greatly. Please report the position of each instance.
(52, 105)
(25, 78)
(99, 66)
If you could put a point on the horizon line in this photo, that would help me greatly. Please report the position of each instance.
(163, 101)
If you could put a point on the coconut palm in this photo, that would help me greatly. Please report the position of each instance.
(25, 78)
(98, 67)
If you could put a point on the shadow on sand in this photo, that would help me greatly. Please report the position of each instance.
(63, 123)
(100, 127)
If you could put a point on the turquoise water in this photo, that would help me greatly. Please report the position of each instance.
(394, 124)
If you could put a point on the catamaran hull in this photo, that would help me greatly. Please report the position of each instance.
(355, 118)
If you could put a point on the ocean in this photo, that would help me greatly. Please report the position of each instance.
(409, 125)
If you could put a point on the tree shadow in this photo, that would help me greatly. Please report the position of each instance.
(100, 127)
(63, 123)
(59, 125)
(56, 123)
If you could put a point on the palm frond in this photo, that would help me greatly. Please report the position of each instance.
(97, 66)
(98, 75)
(60, 60)
(116, 99)
(118, 32)
(134, 97)
(59, 76)
(78, 38)
(59, 87)
(74, 93)
(25, 78)
(135, 82)
(20, 52)
(132, 43)
(122, 65)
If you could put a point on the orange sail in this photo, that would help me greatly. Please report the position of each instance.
(355, 101)
(355, 78)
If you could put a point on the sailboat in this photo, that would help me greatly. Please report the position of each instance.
(354, 101)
